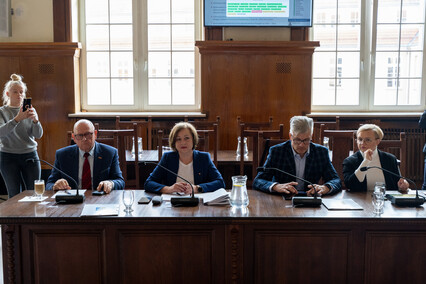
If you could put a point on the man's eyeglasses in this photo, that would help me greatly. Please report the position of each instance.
(87, 135)
(298, 141)
(365, 140)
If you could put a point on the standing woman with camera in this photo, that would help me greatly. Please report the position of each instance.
(19, 126)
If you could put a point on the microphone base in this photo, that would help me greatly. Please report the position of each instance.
(407, 202)
(73, 199)
(184, 201)
(306, 201)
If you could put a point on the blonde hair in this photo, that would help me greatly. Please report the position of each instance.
(178, 127)
(14, 80)
(377, 130)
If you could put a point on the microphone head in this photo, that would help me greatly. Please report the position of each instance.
(260, 169)
(30, 160)
(363, 169)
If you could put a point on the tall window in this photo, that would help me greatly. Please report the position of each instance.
(139, 54)
(373, 50)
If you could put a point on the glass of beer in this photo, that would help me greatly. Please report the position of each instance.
(39, 188)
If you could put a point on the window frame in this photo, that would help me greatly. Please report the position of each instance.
(368, 24)
(140, 63)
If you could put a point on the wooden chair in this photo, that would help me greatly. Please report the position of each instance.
(266, 144)
(342, 143)
(256, 136)
(203, 142)
(144, 129)
(118, 139)
(399, 149)
(254, 125)
(330, 125)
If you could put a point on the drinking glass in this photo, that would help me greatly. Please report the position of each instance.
(128, 199)
(379, 197)
(239, 197)
(39, 188)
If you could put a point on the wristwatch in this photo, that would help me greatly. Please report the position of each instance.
(199, 188)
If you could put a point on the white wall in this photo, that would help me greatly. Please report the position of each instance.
(32, 21)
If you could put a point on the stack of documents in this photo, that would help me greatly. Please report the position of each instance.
(218, 197)
(341, 204)
(100, 210)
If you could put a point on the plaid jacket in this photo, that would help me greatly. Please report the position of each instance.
(318, 166)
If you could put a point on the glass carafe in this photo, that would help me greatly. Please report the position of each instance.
(239, 197)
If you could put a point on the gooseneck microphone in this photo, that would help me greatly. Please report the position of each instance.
(400, 201)
(63, 199)
(180, 201)
(307, 201)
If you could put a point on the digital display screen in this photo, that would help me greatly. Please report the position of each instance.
(258, 13)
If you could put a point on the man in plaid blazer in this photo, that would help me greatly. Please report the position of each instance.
(299, 157)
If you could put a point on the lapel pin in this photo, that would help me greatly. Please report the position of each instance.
(100, 158)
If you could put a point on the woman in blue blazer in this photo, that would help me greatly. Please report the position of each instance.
(193, 165)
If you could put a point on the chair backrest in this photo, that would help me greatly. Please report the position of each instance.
(144, 129)
(204, 124)
(266, 144)
(342, 143)
(257, 137)
(254, 125)
(330, 125)
(401, 150)
(203, 142)
(118, 138)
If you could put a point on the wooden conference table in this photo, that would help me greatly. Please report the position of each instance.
(270, 243)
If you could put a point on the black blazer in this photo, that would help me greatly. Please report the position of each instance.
(388, 162)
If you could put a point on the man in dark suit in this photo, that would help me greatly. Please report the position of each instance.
(93, 165)
(302, 158)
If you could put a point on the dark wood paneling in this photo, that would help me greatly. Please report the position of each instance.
(294, 256)
(254, 80)
(61, 20)
(213, 33)
(50, 71)
(77, 256)
(390, 257)
(202, 252)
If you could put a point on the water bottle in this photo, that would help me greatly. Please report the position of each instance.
(239, 197)
(239, 147)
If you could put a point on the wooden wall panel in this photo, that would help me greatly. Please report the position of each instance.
(293, 257)
(389, 259)
(50, 71)
(255, 80)
(141, 252)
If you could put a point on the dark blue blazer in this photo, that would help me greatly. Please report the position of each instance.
(205, 173)
(105, 166)
(318, 166)
(387, 161)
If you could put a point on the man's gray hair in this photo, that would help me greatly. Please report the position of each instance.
(301, 124)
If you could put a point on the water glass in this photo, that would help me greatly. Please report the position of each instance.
(128, 199)
(379, 197)
(239, 197)
(39, 188)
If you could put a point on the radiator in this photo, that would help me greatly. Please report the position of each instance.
(415, 157)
